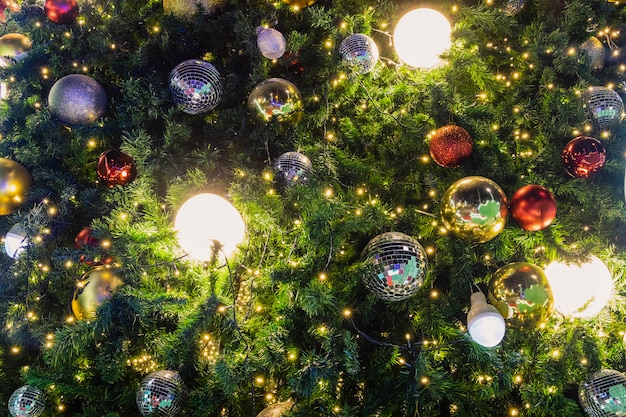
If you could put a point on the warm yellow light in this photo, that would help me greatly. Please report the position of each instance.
(421, 36)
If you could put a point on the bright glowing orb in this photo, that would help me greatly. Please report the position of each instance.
(207, 219)
(421, 36)
(15, 241)
(484, 322)
(582, 290)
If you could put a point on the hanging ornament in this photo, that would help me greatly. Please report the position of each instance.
(62, 12)
(275, 99)
(27, 401)
(77, 99)
(603, 106)
(185, 9)
(95, 287)
(85, 238)
(421, 36)
(161, 394)
(16, 241)
(299, 4)
(293, 168)
(13, 46)
(520, 291)
(451, 146)
(270, 42)
(513, 7)
(116, 168)
(396, 266)
(583, 157)
(595, 50)
(196, 86)
(533, 207)
(360, 52)
(295, 66)
(10, 6)
(14, 183)
(276, 410)
(603, 394)
(474, 208)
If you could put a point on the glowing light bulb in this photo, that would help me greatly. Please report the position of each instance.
(484, 322)
(421, 36)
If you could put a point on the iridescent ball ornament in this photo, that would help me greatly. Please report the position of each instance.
(604, 394)
(451, 146)
(520, 291)
(583, 157)
(27, 401)
(602, 106)
(62, 12)
(293, 168)
(396, 265)
(474, 208)
(360, 52)
(185, 9)
(14, 184)
(161, 393)
(275, 99)
(196, 86)
(276, 410)
(116, 168)
(270, 42)
(595, 51)
(77, 99)
(94, 288)
(299, 4)
(533, 207)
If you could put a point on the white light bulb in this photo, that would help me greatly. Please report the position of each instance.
(205, 219)
(484, 322)
(580, 291)
(421, 36)
(15, 241)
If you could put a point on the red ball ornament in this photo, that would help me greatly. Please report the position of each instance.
(10, 5)
(533, 207)
(116, 168)
(450, 146)
(62, 12)
(85, 238)
(583, 156)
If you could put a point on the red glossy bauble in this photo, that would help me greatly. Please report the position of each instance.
(116, 168)
(583, 156)
(533, 207)
(85, 238)
(450, 146)
(61, 11)
(10, 5)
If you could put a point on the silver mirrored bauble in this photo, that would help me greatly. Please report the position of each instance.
(196, 86)
(604, 394)
(603, 106)
(595, 50)
(161, 393)
(397, 266)
(271, 43)
(27, 401)
(360, 51)
(293, 168)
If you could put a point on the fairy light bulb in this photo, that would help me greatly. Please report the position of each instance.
(484, 322)
(421, 36)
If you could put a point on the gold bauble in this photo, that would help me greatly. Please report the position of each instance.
(185, 9)
(474, 208)
(521, 293)
(299, 4)
(14, 183)
(276, 410)
(13, 44)
(96, 286)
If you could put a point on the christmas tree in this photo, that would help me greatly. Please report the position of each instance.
(312, 208)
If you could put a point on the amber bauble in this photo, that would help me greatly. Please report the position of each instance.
(62, 12)
(520, 291)
(276, 410)
(185, 9)
(583, 156)
(533, 207)
(96, 286)
(450, 146)
(299, 4)
(116, 168)
(77, 99)
(85, 238)
(14, 183)
(474, 208)
(13, 44)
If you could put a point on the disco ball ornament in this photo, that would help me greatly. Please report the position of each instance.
(27, 401)
(77, 99)
(583, 157)
(604, 394)
(14, 183)
(293, 168)
(299, 4)
(95, 287)
(13, 45)
(10, 6)
(533, 207)
(185, 9)
(474, 208)
(161, 393)
(513, 7)
(521, 293)
(196, 86)
(276, 410)
(116, 168)
(595, 50)
(396, 266)
(270, 42)
(62, 12)
(451, 146)
(360, 52)
(602, 106)
(276, 99)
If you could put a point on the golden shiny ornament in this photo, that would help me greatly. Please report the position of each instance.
(474, 208)
(276, 99)
(521, 293)
(299, 4)
(185, 9)
(96, 286)
(14, 183)
(13, 44)
(276, 410)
